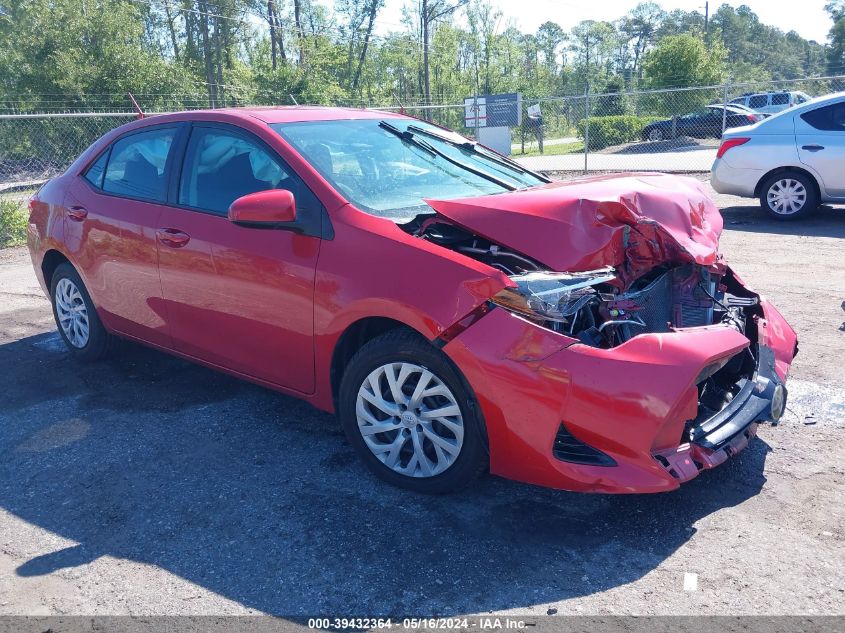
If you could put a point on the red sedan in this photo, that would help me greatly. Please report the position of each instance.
(459, 313)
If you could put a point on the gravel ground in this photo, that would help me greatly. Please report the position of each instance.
(146, 485)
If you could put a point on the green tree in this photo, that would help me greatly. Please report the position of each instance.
(680, 61)
(638, 31)
(84, 54)
(593, 44)
(683, 60)
(550, 37)
(836, 52)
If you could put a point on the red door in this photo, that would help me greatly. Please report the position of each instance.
(112, 213)
(241, 298)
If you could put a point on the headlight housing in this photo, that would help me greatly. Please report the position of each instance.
(552, 296)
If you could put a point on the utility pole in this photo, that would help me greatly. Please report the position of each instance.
(706, 19)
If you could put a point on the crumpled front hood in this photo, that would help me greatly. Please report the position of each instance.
(633, 222)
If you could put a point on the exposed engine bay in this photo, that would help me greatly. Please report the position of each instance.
(595, 306)
(599, 310)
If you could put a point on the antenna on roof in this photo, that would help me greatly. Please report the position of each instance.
(292, 98)
(401, 107)
(136, 106)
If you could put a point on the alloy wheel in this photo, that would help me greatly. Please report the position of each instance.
(409, 419)
(786, 196)
(72, 313)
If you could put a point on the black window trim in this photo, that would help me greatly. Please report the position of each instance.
(324, 231)
(179, 126)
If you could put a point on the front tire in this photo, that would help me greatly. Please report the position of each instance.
(410, 415)
(788, 195)
(76, 317)
(655, 135)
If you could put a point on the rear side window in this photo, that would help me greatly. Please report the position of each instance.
(829, 118)
(780, 99)
(95, 172)
(740, 100)
(136, 165)
(758, 101)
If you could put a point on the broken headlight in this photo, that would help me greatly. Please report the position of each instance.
(552, 296)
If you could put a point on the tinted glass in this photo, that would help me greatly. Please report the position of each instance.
(136, 165)
(780, 99)
(758, 101)
(387, 176)
(829, 118)
(220, 167)
(95, 172)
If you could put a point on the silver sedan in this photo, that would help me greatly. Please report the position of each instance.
(793, 161)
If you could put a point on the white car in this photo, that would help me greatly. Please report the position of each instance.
(792, 161)
(772, 102)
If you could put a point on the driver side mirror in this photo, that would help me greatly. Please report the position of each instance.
(274, 208)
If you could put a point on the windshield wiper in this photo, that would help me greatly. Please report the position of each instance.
(473, 147)
(411, 139)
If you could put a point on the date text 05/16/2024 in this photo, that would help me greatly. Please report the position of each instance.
(481, 623)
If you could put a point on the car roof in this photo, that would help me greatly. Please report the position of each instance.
(812, 104)
(745, 95)
(292, 114)
(781, 122)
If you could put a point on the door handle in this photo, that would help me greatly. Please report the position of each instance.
(172, 237)
(812, 148)
(77, 213)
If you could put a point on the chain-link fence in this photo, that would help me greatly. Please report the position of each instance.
(674, 130)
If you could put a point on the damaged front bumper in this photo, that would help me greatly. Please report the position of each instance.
(622, 420)
(714, 437)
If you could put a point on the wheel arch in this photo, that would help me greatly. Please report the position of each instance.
(354, 337)
(52, 259)
(784, 170)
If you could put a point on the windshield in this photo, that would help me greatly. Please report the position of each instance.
(388, 170)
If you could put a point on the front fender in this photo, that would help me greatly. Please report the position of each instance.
(374, 269)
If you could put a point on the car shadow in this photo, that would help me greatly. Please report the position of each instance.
(256, 497)
(826, 221)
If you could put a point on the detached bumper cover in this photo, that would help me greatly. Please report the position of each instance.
(633, 403)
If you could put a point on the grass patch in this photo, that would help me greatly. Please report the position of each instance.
(555, 150)
(13, 221)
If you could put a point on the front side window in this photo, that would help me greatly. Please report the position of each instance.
(758, 101)
(829, 118)
(780, 99)
(136, 165)
(390, 177)
(220, 167)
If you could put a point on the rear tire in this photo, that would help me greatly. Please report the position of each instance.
(655, 135)
(76, 317)
(433, 454)
(789, 195)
